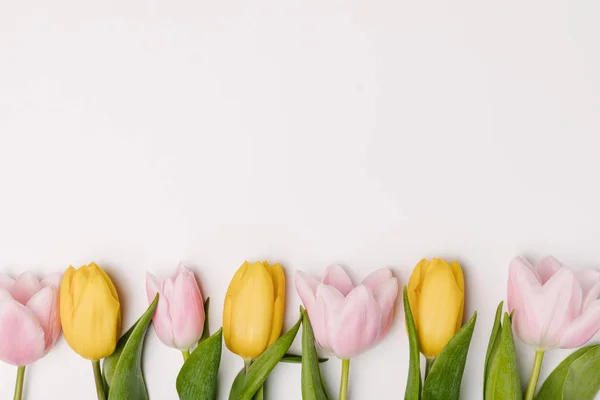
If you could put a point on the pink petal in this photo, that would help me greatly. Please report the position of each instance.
(306, 286)
(589, 279)
(44, 305)
(583, 328)
(186, 309)
(180, 269)
(546, 268)
(6, 282)
(386, 295)
(338, 278)
(52, 279)
(523, 287)
(5, 295)
(22, 337)
(373, 280)
(161, 320)
(562, 298)
(359, 324)
(26, 285)
(331, 302)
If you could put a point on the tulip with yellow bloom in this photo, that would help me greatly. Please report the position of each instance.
(90, 314)
(436, 293)
(253, 311)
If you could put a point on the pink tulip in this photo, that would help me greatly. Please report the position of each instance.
(553, 306)
(348, 320)
(29, 319)
(179, 317)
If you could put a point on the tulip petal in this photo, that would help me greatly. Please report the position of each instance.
(583, 328)
(546, 268)
(161, 319)
(414, 286)
(337, 277)
(306, 286)
(589, 279)
(6, 282)
(186, 309)
(523, 287)
(377, 278)
(358, 326)
(386, 295)
(278, 277)
(26, 285)
(44, 305)
(22, 337)
(5, 295)
(331, 303)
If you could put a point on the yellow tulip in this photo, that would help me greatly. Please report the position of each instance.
(436, 293)
(90, 312)
(254, 306)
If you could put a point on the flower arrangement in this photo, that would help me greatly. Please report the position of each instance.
(548, 306)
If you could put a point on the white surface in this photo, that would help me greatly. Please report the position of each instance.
(371, 133)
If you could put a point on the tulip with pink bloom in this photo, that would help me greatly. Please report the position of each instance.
(29, 320)
(179, 317)
(346, 319)
(553, 306)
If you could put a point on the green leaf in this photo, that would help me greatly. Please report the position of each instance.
(260, 395)
(552, 388)
(110, 363)
(127, 382)
(197, 379)
(583, 378)
(237, 385)
(296, 359)
(493, 344)
(413, 383)
(312, 382)
(445, 377)
(503, 380)
(206, 330)
(264, 364)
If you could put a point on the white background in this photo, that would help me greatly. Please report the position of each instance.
(369, 133)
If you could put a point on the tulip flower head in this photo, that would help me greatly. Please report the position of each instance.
(90, 312)
(348, 320)
(29, 320)
(253, 310)
(179, 317)
(553, 306)
(436, 293)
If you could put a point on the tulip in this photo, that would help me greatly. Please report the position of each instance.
(179, 317)
(29, 321)
(436, 293)
(253, 310)
(90, 313)
(348, 320)
(553, 306)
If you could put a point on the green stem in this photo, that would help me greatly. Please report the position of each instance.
(247, 364)
(535, 374)
(19, 382)
(98, 379)
(344, 381)
(428, 365)
(186, 355)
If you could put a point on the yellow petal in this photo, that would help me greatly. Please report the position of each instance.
(234, 287)
(460, 282)
(251, 312)
(66, 302)
(278, 277)
(440, 304)
(414, 287)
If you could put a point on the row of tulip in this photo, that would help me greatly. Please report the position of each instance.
(549, 306)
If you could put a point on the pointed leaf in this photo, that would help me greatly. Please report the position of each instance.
(237, 385)
(413, 383)
(197, 379)
(445, 377)
(583, 378)
(493, 344)
(206, 331)
(264, 364)
(503, 380)
(109, 364)
(312, 382)
(552, 388)
(128, 378)
(260, 395)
